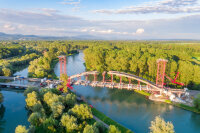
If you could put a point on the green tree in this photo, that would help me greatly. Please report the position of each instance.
(113, 129)
(32, 99)
(82, 111)
(69, 122)
(160, 126)
(57, 109)
(6, 71)
(70, 99)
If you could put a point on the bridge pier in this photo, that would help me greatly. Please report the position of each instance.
(129, 79)
(103, 74)
(120, 80)
(111, 78)
(138, 83)
(179, 95)
(86, 77)
(95, 77)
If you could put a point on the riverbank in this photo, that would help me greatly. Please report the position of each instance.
(109, 121)
(183, 106)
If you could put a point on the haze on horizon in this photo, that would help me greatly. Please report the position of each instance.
(109, 19)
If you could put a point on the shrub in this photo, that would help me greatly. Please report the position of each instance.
(100, 126)
(30, 89)
(113, 129)
(197, 102)
(21, 129)
(38, 108)
(49, 124)
(70, 99)
(35, 119)
(160, 126)
(90, 129)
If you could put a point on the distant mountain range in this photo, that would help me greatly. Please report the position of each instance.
(4, 36)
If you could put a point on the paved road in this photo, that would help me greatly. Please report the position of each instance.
(97, 119)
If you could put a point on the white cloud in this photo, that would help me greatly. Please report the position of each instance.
(71, 2)
(140, 31)
(39, 23)
(8, 27)
(164, 6)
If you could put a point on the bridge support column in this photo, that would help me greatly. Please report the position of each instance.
(103, 74)
(60, 66)
(179, 95)
(129, 80)
(86, 77)
(95, 77)
(69, 80)
(65, 68)
(138, 83)
(111, 78)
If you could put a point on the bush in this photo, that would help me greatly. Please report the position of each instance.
(100, 126)
(113, 129)
(38, 108)
(160, 126)
(197, 102)
(21, 129)
(49, 125)
(35, 119)
(70, 99)
(30, 89)
(90, 129)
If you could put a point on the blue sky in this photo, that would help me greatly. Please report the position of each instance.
(109, 19)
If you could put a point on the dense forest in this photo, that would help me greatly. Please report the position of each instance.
(140, 59)
(17, 54)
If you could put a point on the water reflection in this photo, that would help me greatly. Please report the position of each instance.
(2, 111)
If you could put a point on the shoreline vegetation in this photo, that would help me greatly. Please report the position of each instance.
(182, 106)
(109, 121)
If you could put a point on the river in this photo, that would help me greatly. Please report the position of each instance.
(130, 109)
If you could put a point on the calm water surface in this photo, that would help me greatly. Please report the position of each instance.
(12, 111)
(128, 108)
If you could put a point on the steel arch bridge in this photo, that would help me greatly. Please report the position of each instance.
(149, 86)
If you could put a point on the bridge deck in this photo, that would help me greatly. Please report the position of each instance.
(13, 78)
(16, 85)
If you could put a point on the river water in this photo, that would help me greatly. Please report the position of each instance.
(130, 109)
